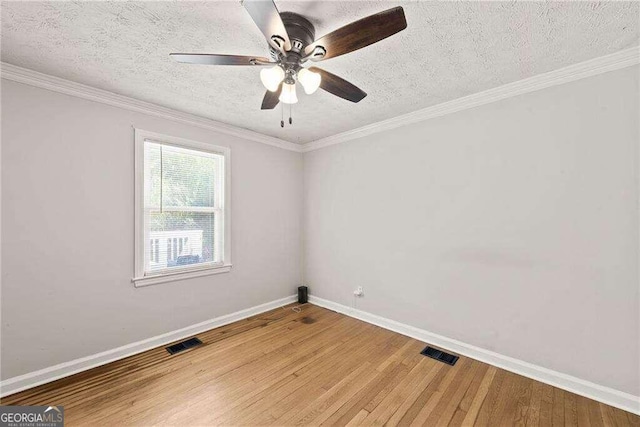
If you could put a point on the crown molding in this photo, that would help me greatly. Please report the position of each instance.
(622, 59)
(615, 61)
(56, 84)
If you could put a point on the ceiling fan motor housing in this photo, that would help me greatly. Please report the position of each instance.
(300, 30)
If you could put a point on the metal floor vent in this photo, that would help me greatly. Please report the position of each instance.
(184, 345)
(440, 355)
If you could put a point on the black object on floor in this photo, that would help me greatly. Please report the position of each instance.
(184, 345)
(440, 355)
(303, 294)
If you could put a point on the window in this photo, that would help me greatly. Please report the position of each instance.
(182, 209)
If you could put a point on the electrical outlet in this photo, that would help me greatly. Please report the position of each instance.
(359, 292)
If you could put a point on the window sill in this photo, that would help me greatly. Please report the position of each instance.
(139, 282)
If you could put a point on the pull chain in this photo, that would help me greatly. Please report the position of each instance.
(281, 115)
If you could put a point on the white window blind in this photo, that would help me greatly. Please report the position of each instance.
(183, 212)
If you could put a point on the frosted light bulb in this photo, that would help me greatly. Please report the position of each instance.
(288, 94)
(271, 77)
(309, 80)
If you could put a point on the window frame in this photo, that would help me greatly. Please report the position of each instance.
(139, 278)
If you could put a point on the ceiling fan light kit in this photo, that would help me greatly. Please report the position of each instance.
(272, 77)
(288, 94)
(309, 80)
(292, 43)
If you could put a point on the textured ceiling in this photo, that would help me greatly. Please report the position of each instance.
(449, 50)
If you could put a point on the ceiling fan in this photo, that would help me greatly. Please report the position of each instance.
(292, 43)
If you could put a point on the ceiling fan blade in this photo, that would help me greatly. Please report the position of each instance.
(361, 33)
(339, 86)
(266, 16)
(213, 59)
(271, 99)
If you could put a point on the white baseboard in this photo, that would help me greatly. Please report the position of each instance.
(609, 396)
(46, 375)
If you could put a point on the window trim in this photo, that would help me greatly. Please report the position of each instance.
(139, 278)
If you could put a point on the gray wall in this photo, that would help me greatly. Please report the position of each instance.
(67, 231)
(512, 226)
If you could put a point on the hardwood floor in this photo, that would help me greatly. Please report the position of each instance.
(312, 367)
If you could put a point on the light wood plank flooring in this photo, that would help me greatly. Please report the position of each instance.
(312, 367)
